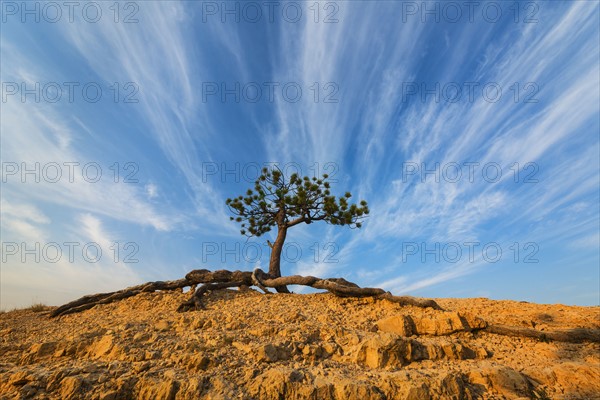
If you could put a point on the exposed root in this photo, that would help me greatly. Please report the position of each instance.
(577, 335)
(195, 302)
(221, 279)
(343, 288)
(87, 302)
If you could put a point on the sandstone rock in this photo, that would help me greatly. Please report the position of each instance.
(125, 385)
(577, 377)
(242, 346)
(454, 386)
(481, 352)
(220, 388)
(281, 383)
(402, 325)
(441, 323)
(110, 395)
(418, 351)
(402, 386)
(141, 366)
(503, 380)
(163, 390)
(53, 381)
(166, 390)
(388, 350)
(323, 388)
(102, 347)
(163, 325)
(196, 362)
(473, 322)
(43, 349)
(384, 350)
(141, 336)
(193, 388)
(72, 387)
(330, 348)
(28, 391)
(116, 352)
(416, 393)
(353, 390)
(449, 350)
(38, 351)
(313, 352)
(20, 378)
(270, 353)
(59, 353)
(456, 351)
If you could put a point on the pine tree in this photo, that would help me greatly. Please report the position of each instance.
(275, 201)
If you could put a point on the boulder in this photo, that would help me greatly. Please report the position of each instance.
(442, 323)
(502, 380)
(72, 387)
(438, 324)
(270, 353)
(402, 325)
(349, 389)
(386, 350)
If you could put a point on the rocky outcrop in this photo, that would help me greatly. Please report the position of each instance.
(247, 345)
(439, 324)
(388, 350)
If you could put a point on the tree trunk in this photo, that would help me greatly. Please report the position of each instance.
(275, 261)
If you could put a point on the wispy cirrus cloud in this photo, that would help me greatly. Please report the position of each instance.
(157, 55)
(547, 150)
(425, 131)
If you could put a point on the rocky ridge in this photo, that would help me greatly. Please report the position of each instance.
(247, 345)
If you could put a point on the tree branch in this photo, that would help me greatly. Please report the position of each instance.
(296, 222)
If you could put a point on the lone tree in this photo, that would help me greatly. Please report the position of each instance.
(275, 201)
(283, 203)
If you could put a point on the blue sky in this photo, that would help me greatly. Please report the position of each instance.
(139, 120)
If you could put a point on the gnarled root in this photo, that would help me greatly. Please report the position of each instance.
(221, 279)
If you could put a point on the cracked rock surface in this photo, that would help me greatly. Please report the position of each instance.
(246, 345)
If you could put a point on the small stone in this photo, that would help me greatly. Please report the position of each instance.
(72, 387)
(203, 363)
(162, 325)
(141, 366)
(266, 353)
(59, 353)
(111, 395)
(20, 378)
(42, 349)
(141, 336)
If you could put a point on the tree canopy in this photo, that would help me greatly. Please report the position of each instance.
(275, 201)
